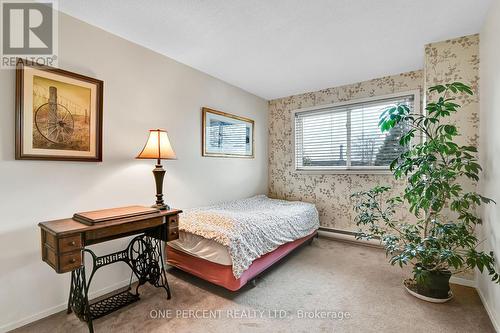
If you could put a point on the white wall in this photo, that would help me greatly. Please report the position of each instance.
(490, 152)
(142, 90)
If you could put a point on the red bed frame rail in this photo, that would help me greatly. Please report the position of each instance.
(222, 275)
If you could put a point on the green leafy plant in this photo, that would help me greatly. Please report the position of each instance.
(442, 238)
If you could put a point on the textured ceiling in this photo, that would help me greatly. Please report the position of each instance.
(275, 48)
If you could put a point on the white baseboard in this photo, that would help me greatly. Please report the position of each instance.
(490, 313)
(463, 282)
(61, 307)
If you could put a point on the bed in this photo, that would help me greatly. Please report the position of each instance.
(229, 244)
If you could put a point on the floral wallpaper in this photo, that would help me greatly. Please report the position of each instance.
(329, 192)
(457, 60)
(447, 61)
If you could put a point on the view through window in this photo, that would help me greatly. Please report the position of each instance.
(348, 137)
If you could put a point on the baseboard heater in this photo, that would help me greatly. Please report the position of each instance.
(338, 231)
(348, 236)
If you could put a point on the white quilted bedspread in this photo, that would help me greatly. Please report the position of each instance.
(251, 227)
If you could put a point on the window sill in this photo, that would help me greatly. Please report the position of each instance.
(345, 172)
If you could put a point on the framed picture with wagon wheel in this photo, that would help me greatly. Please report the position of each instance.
(58, 114)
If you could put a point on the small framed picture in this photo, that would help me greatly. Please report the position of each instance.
(58, 114)
(226, 135)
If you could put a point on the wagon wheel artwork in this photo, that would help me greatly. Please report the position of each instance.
(54, 121)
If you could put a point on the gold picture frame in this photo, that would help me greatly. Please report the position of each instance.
(226, 135)
(58, 114)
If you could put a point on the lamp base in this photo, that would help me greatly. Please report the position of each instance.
(161, 207)
(159, 173)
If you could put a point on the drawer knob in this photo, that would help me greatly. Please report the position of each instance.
(72, 243)
(72, 260)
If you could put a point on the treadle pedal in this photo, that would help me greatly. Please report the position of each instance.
(112, 303)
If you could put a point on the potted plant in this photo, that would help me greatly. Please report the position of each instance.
(441, 240)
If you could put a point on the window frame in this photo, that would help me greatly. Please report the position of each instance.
(383, 170)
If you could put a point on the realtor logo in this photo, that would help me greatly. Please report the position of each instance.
(28, 31)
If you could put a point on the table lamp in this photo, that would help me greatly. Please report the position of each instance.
(158, 147)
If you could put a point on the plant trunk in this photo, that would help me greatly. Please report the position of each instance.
(435, 284)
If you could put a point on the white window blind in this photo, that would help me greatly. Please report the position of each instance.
(347, 137)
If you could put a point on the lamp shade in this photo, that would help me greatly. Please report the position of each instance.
(158, 146)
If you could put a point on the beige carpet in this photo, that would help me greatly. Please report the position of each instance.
(332, 277)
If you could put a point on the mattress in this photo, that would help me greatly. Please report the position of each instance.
(202, 248)
(238, 232)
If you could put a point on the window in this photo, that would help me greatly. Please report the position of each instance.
(346, 136)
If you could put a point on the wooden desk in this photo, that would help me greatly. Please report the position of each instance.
(63, 249)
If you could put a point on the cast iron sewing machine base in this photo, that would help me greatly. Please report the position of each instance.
(143, 255)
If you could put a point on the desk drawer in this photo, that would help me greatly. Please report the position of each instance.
(69, 244)
(62, 263)
(173, 234)
(173, 221)
(70, 261)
